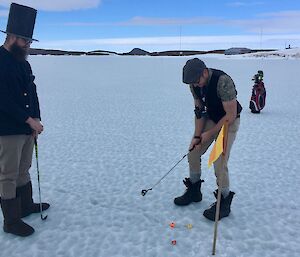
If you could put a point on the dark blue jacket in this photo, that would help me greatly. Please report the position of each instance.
(18, 97)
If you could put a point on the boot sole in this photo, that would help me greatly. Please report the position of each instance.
(26, 213)
(213, 219)
(17, 234)
(197, 200)
(185, 204)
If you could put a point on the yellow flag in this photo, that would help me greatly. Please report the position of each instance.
(219, 146)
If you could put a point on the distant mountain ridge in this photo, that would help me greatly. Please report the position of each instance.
(133, 52)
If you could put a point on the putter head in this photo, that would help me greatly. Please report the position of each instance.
(144, 192)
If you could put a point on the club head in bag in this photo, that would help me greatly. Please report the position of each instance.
(44, 218)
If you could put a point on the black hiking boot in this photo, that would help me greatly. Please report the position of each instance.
(13, 224)
(27, 204)
(210, 213)
(192, 193)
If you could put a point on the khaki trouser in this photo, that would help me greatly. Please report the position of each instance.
(221, 169)
(15, 161)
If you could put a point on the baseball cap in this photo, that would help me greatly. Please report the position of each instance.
(192, 71)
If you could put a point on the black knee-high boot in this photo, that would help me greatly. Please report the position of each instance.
(27, 204)
(13, 224)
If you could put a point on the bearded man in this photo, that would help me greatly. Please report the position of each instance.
(20, 122)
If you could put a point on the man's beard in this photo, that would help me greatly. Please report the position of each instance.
(18, 52)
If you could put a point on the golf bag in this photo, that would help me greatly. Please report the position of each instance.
(258, 97)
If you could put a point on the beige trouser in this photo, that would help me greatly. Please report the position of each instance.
(15, 161)
(221, 169)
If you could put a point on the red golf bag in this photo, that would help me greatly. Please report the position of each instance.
(258, 97)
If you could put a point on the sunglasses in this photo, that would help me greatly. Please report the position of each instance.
(26, 40)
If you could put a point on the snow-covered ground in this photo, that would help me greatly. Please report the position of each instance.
(286, 53)
(114, 125)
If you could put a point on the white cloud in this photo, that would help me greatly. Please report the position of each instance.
(85, 24)
(282, 14)
(55, 5)
(280, 22)
(148, 21)
(244, 4)
(137, 21)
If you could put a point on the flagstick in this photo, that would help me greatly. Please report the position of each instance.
(224, 132)
(217, 216)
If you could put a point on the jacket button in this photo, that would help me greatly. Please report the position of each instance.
(27, 106)
(25, 94)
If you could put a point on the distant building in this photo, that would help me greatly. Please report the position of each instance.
(237, 50)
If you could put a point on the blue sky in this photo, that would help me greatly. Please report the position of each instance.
(120, 25)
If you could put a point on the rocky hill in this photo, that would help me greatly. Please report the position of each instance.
(134, 52)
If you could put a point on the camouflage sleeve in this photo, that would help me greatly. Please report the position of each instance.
(226, 88)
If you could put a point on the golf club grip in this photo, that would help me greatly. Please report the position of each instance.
(194, 146)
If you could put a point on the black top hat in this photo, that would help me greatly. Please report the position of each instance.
(21, 21)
